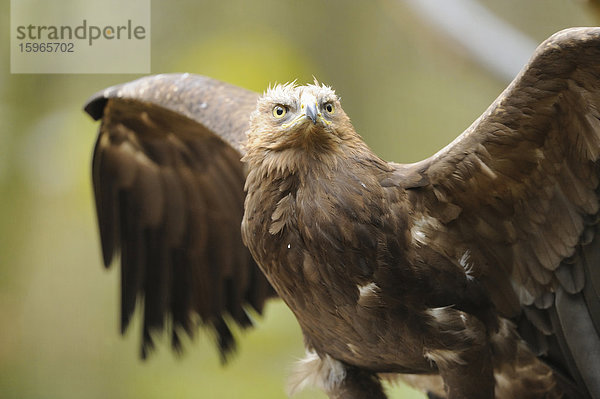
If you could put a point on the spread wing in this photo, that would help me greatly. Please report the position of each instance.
(168, 184)
(515, 201)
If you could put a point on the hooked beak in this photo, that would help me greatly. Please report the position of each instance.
(311, 112)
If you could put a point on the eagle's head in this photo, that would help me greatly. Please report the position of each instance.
(307, 118)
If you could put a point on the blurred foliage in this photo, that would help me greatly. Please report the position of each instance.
(408, 91)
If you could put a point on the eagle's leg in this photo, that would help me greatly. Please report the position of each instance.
(472, 378)
(358, 384)
(337, 379)
(460, 347)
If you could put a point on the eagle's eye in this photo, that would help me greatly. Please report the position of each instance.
(329, 108)
(279, 111)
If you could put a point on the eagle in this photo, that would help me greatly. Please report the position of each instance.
(473, 273)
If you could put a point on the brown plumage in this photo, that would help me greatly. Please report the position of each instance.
(169, 196)
(479, 264)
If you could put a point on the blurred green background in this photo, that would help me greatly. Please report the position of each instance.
(408, 89)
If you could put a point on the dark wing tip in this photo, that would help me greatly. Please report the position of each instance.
(94, 106)
(225, 340)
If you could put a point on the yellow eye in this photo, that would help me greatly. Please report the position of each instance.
(279, 111)
(329, 108)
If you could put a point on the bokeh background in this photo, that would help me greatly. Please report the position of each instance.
(407, 86)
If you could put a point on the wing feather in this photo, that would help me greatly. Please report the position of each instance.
(525, 178)
(168, 184)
